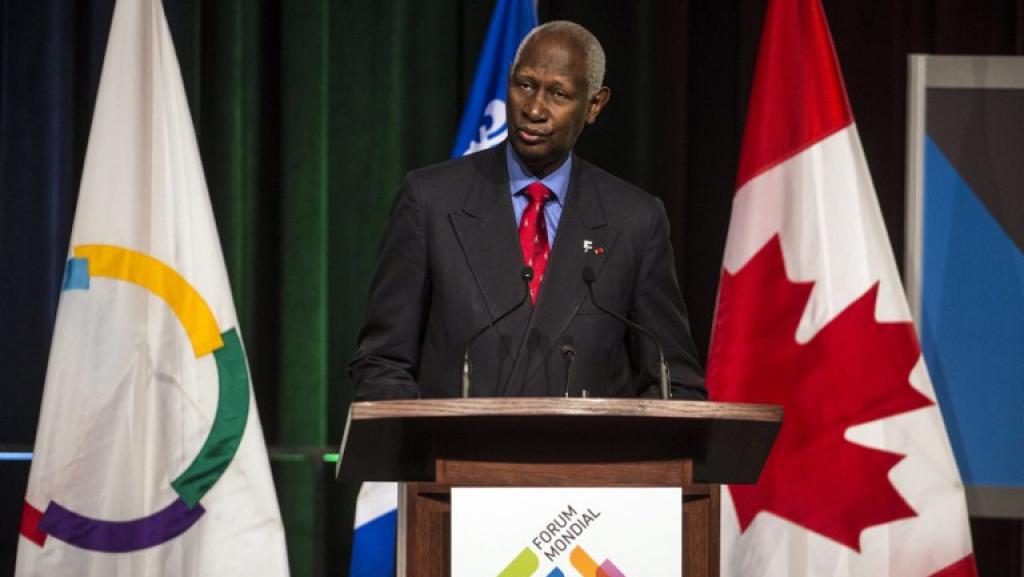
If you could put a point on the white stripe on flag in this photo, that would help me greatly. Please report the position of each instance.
(375, 500)
(823, 206)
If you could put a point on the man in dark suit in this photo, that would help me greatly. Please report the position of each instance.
(460, 233)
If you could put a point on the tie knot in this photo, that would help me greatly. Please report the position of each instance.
(537, 192)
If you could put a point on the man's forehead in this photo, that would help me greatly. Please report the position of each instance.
(558, 37)
(553, 49)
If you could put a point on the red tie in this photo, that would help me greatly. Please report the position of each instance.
(533, 235)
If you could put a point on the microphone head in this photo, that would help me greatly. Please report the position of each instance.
(589, 275)
(526, 273)
(566, 347)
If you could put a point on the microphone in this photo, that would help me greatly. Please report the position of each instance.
(569, 352)
(526, 275)
(589, 276)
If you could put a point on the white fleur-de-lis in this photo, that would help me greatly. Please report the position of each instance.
(494, 128)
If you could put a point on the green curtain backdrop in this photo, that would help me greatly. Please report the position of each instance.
(308, 114)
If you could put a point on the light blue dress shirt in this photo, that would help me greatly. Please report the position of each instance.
(519, 178)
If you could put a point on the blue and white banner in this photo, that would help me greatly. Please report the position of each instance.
(373, 544)
(483, 121)
(483, 126)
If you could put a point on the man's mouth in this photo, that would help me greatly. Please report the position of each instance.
(530, 136)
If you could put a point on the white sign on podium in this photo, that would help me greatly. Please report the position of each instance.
(566, 531)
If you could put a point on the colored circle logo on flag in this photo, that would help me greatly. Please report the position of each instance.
(222, 441)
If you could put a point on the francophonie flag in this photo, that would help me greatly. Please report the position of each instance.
(149, 456)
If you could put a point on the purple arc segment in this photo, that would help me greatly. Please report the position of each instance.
(119, 536)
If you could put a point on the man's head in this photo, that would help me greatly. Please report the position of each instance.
(554, 88)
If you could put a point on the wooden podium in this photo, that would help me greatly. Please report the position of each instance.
(433, 445)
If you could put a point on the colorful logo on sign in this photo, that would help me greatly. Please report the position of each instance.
(225, 434)
(526, 564)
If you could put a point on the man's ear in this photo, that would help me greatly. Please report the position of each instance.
(597, 103)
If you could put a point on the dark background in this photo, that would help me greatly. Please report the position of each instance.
(308, 113)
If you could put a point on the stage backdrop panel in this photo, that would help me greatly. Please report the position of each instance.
(965, 262)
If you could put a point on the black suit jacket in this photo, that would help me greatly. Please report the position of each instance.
(450, 263)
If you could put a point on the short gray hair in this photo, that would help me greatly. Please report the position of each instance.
(592, 50)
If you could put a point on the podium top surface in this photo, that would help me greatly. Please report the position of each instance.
(399, 440)
(557, 406)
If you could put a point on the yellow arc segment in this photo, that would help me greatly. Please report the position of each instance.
(135, 267)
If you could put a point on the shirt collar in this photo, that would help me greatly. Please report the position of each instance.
(519, 176)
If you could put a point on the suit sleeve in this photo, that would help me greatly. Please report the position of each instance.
(387, 353)
(658, 305)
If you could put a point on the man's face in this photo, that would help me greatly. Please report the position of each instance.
(548, 102)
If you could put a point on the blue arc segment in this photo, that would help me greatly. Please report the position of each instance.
(972, 326)
(76, 275)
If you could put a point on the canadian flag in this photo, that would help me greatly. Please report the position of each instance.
(812, 316)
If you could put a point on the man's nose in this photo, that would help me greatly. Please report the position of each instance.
(535, 108)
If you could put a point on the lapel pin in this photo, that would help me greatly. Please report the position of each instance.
(588, 246)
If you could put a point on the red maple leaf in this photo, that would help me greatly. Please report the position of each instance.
(855, 370)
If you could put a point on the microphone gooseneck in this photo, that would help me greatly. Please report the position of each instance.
(525, 275)
(589, 276)
(569, 352)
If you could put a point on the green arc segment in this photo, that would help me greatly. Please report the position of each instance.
(228, 424)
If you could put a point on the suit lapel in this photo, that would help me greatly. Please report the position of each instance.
(485, 227)
(583, 239)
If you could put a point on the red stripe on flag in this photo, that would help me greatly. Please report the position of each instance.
(30, 517)
(798, 97)
(962, 568)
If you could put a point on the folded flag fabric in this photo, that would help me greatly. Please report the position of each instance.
(483, 120)
(149, 455)
(811, 315)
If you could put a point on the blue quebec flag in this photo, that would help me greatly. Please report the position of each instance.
(483, 121)
(483, 126)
